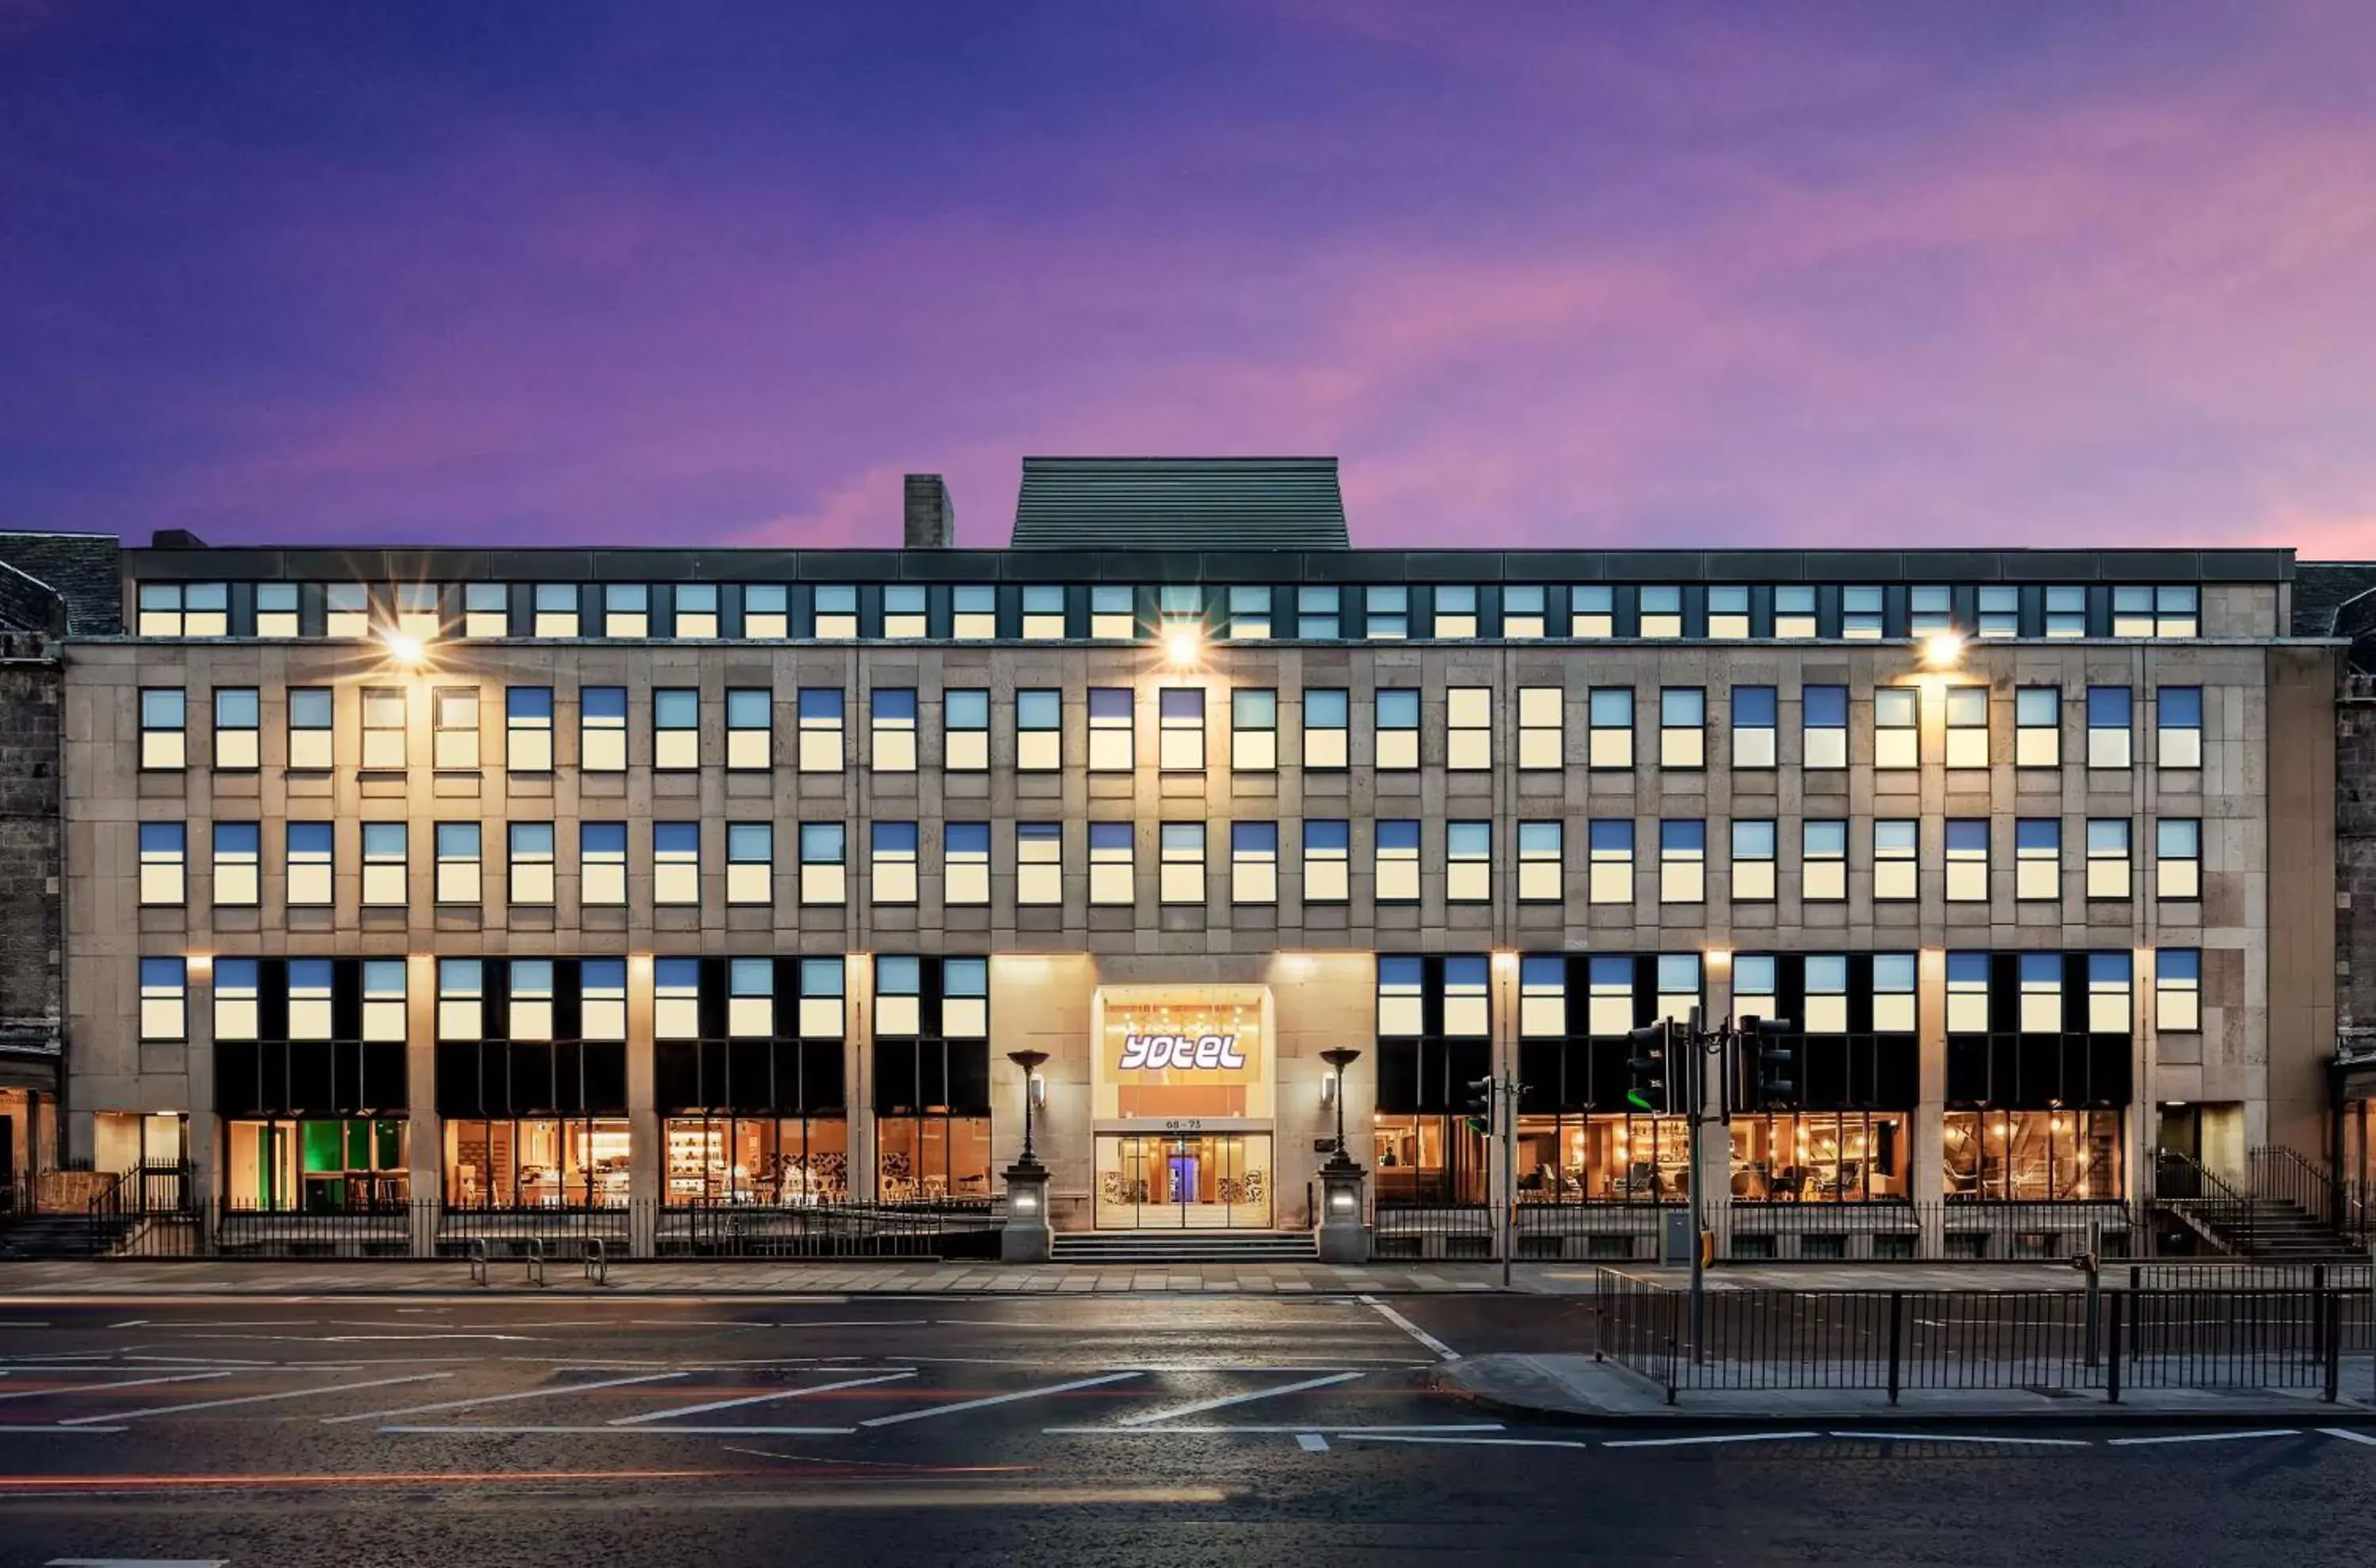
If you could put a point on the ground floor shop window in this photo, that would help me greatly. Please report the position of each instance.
(1586, 1158)
(1429, 1160)
(1820, 1157)
(537, 1162)
(933, 1159)
(788, 1161)
(317, 1165)
(2043, 1155)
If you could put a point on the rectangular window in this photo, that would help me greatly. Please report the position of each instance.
(696, 612)
(905, 613)
(1968, 726)
(417, 615)
(2108, 727)
(1038, 864)
(603, 729)
(1727, 612)
(312, 862)
(164, 858)
(164, 728)
(1043, 614)
(384, 724)
(1824, 861)
(1387, 613)
(1111, 865)
(823, 1010)
(2037, 727)
(1542, 996)
(1397, 732)
(1826, 740)
(1897, 727)
(750, 998)
(461, 998)
(454, 735)
(750, 729)
(2177, 726)
(824, 851)
(1467, 1004)
(275, 610)
(834, 613)
(1249, 613)
(1398, 861)
(627, 609)
(164, 999)
(346, 612)
(1402, 997)
(2108, 856)
(1541, 743)
(2108, 993)
(1683, 727)
(1931, 612)
(1861, 614)
(964, 729)
(1752, 860)
(965, 863)
(751, 864)
(555, 609)
(1678, 985)
(1111, 730)
(1254, 730)
(1327, 859)
(1181, 713)
(1038, 730)
(238, 721)
(892, 723)
(1753, 987)
(766, 612)
(1794, 612)
(1611, 711)
(2177, 989)
(2177, 611)
(1523, 616)
(820, 722)
(386, 877)
(457, 863)
(236, 987)
(892, 862)
(528, 728)
(602, 865)
(1455, 612)
(1896, 850)
(1468, 863)
(1661, 611)
(1611, 841)
(1182, 875)
(1318, 613)
(1755, 717)
(1181, 605)
(2177, 858)
(1114, 613)
(383, 999)
(2037, 859)
(2132, 612)
(188, 609)
(1967, 859)
(676, 999)
(1253, 862)
(486, 610)
(238, 865)
(2000, 612)
(1683, 862)
(2066, 612)
(1592, 611)
(530, 864)
(1468, 728)
(1826, 994)
(1609, 999)
(1542, 864)
(676, 730)
(1326, 725)
(973, 613)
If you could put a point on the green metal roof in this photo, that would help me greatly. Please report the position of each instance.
(1180, 504)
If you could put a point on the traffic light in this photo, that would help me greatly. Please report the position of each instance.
(1480, 1100)
(1651, 1066)
(1776, 1059)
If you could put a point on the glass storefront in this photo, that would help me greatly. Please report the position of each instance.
(537, 1162)
(1209, 1181)
(2032, 1155)
(1587, 1158)
(1820, 1157)
(932, 1159)
(790, 1162)
(1429, 1160)
(343, 1166)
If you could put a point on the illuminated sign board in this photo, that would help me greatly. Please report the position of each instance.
(1186, 1054)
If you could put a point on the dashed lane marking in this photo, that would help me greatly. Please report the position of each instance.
(1472, 1442)
(1222, 1401)
(997, 1399)
(251, 1399)
(1954, 1437)
(474, 1430)
(1331, 1430)
(772, 1394)
(1727, 1437)
(1442, 1350)
(555, 1391)
(139, 1562)
(2348, 1435)
(1312, 1443)
(103, 1387)
(2200, 1437)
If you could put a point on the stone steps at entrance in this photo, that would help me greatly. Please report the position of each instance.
(1184, 1246)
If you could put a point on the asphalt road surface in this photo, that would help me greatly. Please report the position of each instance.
(1143, 1430)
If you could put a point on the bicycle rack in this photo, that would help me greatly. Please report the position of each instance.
(536, 1260)
(596, 1259)
(479, 1260)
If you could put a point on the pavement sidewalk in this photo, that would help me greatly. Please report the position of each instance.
(1577, 1388)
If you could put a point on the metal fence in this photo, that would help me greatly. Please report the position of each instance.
(1780, 1232)
(1450, 1232)
(747, 1230)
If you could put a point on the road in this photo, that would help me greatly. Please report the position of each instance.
(1142, 1430)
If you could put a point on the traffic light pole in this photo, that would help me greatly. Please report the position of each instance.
(1510, 1087)
(1695, 1078)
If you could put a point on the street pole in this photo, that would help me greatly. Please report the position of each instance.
(1509, 1173)
(1695, 1104)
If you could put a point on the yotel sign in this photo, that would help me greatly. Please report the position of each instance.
(1194, 1053)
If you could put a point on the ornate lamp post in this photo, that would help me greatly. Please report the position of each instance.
(1341, 1237)
(1026, 1237)
(1030, 1062)
(1339, 1058)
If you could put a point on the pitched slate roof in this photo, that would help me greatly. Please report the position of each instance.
(84, 569)
(1180, 504)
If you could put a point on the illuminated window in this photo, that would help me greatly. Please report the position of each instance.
(1931, 612)
(1542, 871)
(164, 999)
(383, 999)
(1542, 996)
(384, 722)
(529, 863)
(1398, 861)
(164, 858)
(1468, 728)
(2108, 727)
(1826, 994)
(555, 609)
(1861, 614)
(1468, 863)
(2066, 612)
(905, 616)
(311, 860)
(1662, 611)
(892, 862)
(238, 724)
(1318, 615)
(1678, 985)
(2000, 612)
(1039, 863)
(676, 730)
(834, 613)
(766, 612)
(1968, 726)
(1043, 614)
(1387, 613)
(1111, 716)
(750, 729)
(1397, 732)
(2177, 858)
(385, 872)
(2132, 612)
(1824, 861)
(1467, 1005)
(820, 726)
(1683, 727)
(973, 613)
(1611, 710)
(2038, 858)
(1752, 860)
(750, 998)
(528, 728)
(187, 610)
(1611, 841)
(454, 735)
(1967, 859)
(1896, 848)
(2177, 726)
(1541, 741)
(603, 729)
(1754, 720)
(1038, 730)
(1683, 862)
(1327, 859)
(1455, 612)
(964, 729)
(1253, 862)
(898, 995)
(1181, 713)
(1523, 614)
(1609, 999)
(1754, 987)
(2108, 993)
(1110, 867)
(2178, 611)
(696, 612)
(457, 863)
(1326, 725)
(164, 728)
(235, 998)
(1402, 997)
(824, 849)
(824, 1007)
(965, 863)
(1897, 727)
(751, 864)
(1794, 612)
(2108, 856)
(1967, 995)
(627, 609)
(1254, 730)
(892, 723)
(486, 611)
(1182, 871)
(1249, 613)
(1114, 613)
(676, 999)
(238, 865)
(2177, 989)
(2037, 726)
(1824, 739)
(676, 863)
(602, 865)
(346, 611)
(1592, 610)
(1728, 612)
(276, 610)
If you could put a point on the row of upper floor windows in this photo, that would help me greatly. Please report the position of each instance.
(1608, 853)
(1057, 613)
(464, 720)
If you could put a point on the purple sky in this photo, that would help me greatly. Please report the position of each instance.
(1554, 273)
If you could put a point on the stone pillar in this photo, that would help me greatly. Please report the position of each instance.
(1343, 1232)
(1026, 1237)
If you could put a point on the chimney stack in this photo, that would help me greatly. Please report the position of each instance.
(931, 517)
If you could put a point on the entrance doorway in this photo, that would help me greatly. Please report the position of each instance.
(1189, 1181)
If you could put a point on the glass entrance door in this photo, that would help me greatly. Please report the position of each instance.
(1209, 1181)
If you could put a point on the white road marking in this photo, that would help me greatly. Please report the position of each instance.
(1729, 1437)
(847, 1323)
(55, 1431)
(1312, 1443)
(130, 1323)
(120, 1382)
(555, 1391)
(2201, 1437)
(1201, 1406)
(1477, 1441)
(254, 1400)
(1442, 1350)
(762, 1398)
(2348, 1435)
(996, 1399)
(1216, 1432)
(139, 1562)
(474, 1430)
(1954, 1437)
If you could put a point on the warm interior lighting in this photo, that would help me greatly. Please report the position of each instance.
(1181, 644)
(405, 649)
(1943, 652)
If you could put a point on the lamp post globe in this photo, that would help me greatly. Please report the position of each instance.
(1339, 1058)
